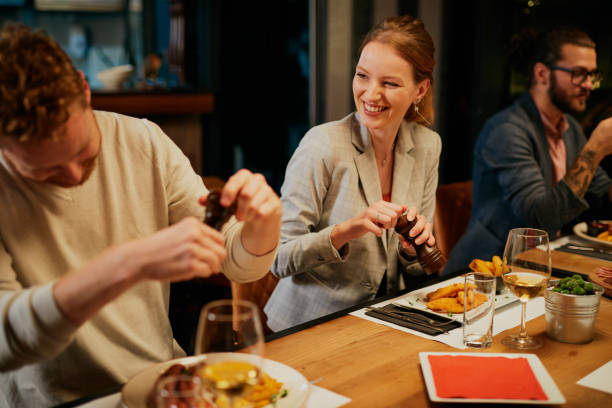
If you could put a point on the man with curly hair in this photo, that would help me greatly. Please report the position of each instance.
(98, 213)
(533, 166)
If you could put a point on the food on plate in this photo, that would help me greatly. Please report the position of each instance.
(574, 285)
(595, 227)
(263, 391)
(226, 375)
(266, 391)
(474, 298)
(446, 292)
(450, 305)
(605, 273)
(451, 298)
(493, 267)
(180, 386)
(605, 236)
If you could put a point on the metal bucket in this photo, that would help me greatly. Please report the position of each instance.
(571, 318)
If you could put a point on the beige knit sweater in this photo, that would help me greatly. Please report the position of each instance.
(142, 183)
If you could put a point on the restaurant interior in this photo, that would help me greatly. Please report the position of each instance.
(237, 84)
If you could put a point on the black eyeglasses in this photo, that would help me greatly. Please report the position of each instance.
(580, 75)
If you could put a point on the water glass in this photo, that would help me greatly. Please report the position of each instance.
(478, 310)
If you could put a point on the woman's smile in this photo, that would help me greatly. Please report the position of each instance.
(373, 109)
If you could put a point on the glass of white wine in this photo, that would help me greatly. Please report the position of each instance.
(230, 334)
(526, 270)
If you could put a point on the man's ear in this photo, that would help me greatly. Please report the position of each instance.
(541, 74)
(86, 88)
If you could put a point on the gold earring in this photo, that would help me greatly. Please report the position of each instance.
(416, 110)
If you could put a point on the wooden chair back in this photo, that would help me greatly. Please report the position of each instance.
(257, 292)
(453, 210)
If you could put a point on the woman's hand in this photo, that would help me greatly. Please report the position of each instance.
(422, 232)
(380, 215)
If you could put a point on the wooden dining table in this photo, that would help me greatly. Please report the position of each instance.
(378, 366)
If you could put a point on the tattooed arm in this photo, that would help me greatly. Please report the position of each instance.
(599, 145)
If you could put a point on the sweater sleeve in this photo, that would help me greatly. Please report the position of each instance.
(33, 328)
(510, 153)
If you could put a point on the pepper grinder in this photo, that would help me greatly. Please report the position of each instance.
(430, 257)
(215, 214)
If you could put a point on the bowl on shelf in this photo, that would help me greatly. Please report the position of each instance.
(114, 77)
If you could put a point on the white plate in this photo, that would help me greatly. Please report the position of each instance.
(546, 382)
(418, 298)
(134, 393)
(580, 229)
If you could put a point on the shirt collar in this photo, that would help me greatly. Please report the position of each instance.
(554, 130)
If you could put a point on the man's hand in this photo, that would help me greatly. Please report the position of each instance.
(599, 145)
(258, 206)
(602, 137)
(182, 251)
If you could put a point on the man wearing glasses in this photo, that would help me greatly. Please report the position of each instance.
(533, 166)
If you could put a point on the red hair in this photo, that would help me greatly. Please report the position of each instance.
(407, 35)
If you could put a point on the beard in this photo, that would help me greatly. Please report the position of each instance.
(565, 101)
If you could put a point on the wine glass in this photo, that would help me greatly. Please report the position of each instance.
(230, 334)
(526, 270)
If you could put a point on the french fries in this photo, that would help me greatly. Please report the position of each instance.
(452, 298)
(494, 267)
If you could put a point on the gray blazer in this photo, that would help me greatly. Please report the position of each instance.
(332, 177)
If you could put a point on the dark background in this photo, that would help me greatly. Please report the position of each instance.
(254, 57)
(263, 98)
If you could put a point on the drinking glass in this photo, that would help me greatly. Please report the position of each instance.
(478, 309)
(230, 334)
(526, 270)
(180, 390)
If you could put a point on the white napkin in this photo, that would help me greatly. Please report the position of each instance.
(318, 398)
(599, 379)
(322, 398)
(557, 243)
(505, 318)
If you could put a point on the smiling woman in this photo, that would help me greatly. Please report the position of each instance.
(349, 181)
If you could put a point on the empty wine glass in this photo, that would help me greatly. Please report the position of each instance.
(526, 270)
(230, 334)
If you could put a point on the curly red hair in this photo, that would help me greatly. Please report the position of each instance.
(38, 84)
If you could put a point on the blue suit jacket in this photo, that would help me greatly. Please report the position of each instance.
(512, 188)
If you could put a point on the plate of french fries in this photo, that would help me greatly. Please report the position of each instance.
(448, 297)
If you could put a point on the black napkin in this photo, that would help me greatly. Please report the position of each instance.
(592, 254)
(413, 323)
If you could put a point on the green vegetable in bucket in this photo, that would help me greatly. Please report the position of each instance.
(574, 285)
